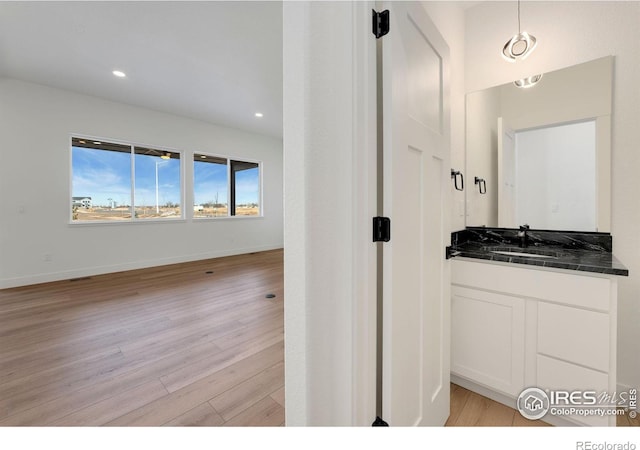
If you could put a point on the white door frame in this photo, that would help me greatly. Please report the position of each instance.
(330, 199)
(330, 160)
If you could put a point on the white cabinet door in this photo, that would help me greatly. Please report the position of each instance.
(416, 281)
(487, 339)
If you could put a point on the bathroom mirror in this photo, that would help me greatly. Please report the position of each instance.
(543, 153)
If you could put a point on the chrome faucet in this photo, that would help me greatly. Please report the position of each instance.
(522, 234)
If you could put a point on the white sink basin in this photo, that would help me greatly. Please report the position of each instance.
(527, 255)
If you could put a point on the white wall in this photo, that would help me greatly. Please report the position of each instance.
(36, 123)
(570, 33)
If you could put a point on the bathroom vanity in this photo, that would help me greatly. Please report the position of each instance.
(534, 307)
(544, 315)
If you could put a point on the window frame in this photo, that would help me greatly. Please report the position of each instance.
(132, 145)
(229, 181)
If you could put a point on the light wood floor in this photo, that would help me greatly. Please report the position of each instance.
(172, 345)
(469, 409)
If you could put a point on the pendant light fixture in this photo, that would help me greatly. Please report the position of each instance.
(528, 82)
(520, 45)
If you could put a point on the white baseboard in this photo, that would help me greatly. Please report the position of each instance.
(621, 387)
(100, 270)
(484, 391)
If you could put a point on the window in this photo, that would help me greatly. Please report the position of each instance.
(157, 184)
(120, 182)
(210, 181)
(224, 187)
(245, 189)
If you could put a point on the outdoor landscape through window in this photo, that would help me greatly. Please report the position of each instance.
(224, 187)
(105, 175)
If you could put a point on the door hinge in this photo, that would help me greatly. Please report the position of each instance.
(379, 422)
(381, 229)
(380, 23)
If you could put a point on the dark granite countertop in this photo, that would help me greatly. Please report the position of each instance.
(585, 252)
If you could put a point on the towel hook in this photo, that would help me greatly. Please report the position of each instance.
(454, 175)
(482, 185)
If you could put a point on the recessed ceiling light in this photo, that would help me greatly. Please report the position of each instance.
(119, 73)
(82, 142)
(97, 142)
(203, 157)
(259, 114)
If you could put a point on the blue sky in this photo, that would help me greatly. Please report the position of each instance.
(168, 180)
(248, 186)
(104, 175)
(209, 178)
(101, 175)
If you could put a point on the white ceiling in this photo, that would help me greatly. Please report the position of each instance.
(220, 62)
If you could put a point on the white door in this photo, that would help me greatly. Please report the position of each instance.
(507, 210)
(416, 282)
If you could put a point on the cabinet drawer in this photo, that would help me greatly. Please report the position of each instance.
(587, 291)
(553, 374)
(574, 335)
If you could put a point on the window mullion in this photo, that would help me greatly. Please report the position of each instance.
(232, 189)
(133, 184)
(230, 196)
